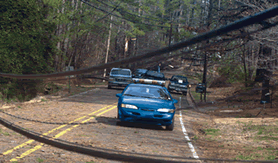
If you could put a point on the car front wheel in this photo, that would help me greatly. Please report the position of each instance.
(171, 126)
(170, 90)
(109, 87)
(184, 93)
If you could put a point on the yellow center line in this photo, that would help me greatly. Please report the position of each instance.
(58, 135)
(57, 128)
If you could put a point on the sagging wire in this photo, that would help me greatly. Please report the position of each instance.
(158, 59)
(102, 152)
(256, 18)
(141, 17)
(115, 8)
(212, 44)
(45, 122)
(125, 18)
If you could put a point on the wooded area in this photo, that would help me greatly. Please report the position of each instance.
(43, 36)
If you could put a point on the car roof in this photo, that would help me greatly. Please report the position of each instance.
(140, 69)
(120, 69)
(145, 85)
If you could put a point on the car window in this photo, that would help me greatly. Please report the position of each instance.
(148, 92)
(120, 72)
(179, 78)
(141, 71)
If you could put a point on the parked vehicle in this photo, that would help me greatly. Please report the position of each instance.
(179, 84)
(154, 75)
(119, 77)
(200, 88)
(149, 103)
(139, 73)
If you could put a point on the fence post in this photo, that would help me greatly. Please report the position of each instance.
(69, 79)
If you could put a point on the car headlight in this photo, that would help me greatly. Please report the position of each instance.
(129, 106)
(166, 110)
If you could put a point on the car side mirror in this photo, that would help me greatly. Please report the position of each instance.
(118, 95)
(175, 101)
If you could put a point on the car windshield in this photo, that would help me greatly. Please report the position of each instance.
(179, 78)
(148, 92)
(120, 72)
(139, 71)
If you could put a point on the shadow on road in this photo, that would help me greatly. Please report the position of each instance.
(98, 96)
(116, 122)
(118, 88)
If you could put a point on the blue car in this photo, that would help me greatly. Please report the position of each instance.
(139, 73)
(147, 103)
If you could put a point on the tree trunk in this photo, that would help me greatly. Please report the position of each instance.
(126, 47)
(108, 45)
(244, 65)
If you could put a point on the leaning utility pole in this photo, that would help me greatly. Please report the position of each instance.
(205, 57)
(108, 45)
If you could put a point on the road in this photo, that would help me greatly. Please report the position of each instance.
(98, 107)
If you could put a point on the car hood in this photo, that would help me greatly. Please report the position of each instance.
(150, 103)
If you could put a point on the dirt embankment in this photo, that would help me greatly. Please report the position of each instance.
(239, 128)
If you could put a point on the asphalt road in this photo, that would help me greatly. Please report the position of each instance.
(98, 106)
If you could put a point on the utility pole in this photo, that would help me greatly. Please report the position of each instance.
(205, 75)
(205, 57)
(108, 46)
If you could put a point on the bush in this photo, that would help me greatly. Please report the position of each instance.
(27, 46)
(220, 82)
(233, 74)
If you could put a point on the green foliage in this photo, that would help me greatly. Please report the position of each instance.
(259, 154)
(233, 73)
(27, 45)
(4, 133)
(212, 131)
(40, 160)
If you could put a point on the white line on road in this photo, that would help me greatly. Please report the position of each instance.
(195, 155)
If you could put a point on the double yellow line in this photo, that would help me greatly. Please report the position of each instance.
(57, 135)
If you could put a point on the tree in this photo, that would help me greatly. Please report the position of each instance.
(27, 44)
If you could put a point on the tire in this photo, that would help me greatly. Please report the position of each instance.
(109, 87)
(171, 127)
(184, 93)
(170, 90)
(118, 116)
